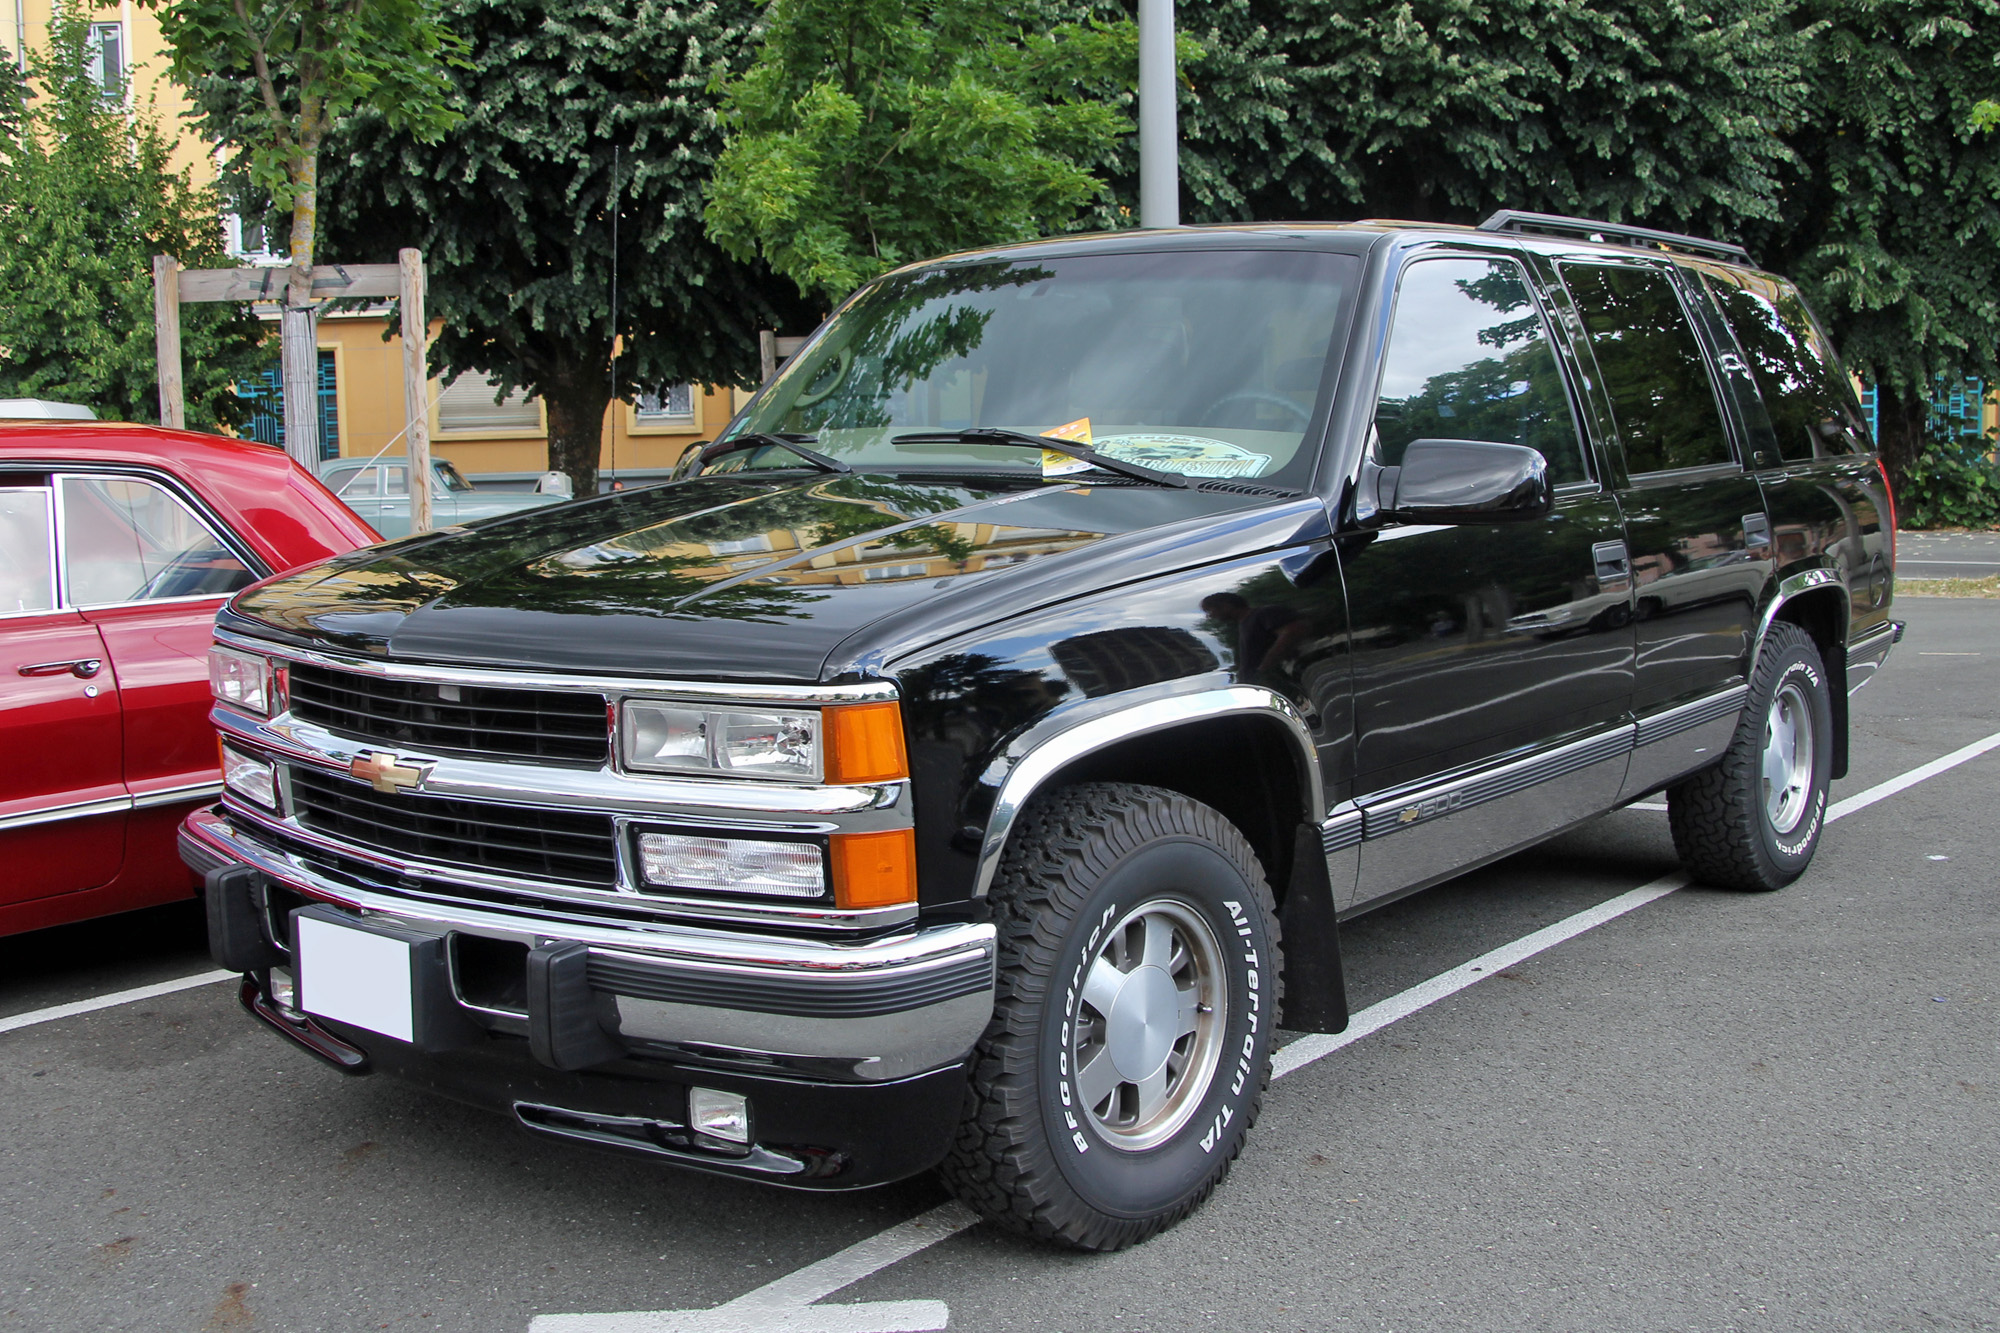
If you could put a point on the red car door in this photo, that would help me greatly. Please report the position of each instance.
(149, 572)
(63, 803)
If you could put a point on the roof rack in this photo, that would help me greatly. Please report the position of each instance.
(1554, 224)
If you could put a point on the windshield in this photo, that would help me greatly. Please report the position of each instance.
(451, 477)
(1207, 363)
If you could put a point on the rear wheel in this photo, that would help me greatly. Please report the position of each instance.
(1131, 1040)
(1753, 821)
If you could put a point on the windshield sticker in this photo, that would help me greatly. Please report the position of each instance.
(1062, 465)
(1189, 455)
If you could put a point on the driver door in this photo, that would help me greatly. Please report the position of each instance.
(1492, 661)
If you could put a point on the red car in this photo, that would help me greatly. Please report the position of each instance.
(117, 544)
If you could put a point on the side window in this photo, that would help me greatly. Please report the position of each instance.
(1652, 366)
(1469, 359)
(395, 479)
(130, 541)
(352, 483)
(27, 574)
(1810, 402)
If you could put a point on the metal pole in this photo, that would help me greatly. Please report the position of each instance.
(416, 387)
(1159, 150)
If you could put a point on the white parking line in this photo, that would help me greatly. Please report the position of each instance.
(75, 1007)
(785, 1306)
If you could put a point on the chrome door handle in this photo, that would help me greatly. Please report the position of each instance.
(1612, 560)
(83, 668)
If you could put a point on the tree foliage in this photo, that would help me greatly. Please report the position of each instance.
(1892, 217)
(87, 198)
(276, 77)
(869, 133)
(574, 112)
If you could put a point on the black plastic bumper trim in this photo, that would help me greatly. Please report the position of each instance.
(807, 997)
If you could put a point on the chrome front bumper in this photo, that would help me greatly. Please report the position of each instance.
(856, 1012)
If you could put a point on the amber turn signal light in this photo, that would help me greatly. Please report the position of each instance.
(864, 743)
(874, 869)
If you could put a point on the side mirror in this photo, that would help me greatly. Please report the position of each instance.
(1466, 481)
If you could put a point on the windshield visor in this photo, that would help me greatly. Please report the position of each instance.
(1208, 363)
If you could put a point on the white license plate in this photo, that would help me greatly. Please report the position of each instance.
(355, 976)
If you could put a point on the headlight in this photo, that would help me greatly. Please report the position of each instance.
(844, 743)
(254, 779)
(667, 738)
(241, 680)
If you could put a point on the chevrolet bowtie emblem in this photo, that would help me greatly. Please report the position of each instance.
(385, 773)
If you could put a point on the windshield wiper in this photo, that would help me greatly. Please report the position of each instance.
(758, 439)
(1068, 448)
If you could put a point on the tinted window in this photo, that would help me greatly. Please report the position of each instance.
(27, 583)
(1469, 359)
(130, 541)
(1202, 362)
(1810, 402)
(1651, 365)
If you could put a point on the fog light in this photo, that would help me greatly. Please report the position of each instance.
(253, 779)
(733, 865)
(722, 1115)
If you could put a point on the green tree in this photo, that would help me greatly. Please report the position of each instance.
(583, 120)
(869, 133)
(275, 78)
(1892, 217)
(87, 198)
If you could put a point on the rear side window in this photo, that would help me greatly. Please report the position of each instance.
(1652, 366)
(1469, 359)
(131, 541)
(1809, 400)
(27, 573)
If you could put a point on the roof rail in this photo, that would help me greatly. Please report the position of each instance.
(1554, 224)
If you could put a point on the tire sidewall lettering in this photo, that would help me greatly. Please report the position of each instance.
(1119, 1180)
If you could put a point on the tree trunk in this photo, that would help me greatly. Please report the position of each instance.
(298, 345)
(576, 396)
(1901, 431)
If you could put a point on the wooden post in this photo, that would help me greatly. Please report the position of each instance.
(167, 339)
(767, 354)
(416, 386)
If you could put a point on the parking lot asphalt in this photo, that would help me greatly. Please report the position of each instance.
(1948, 555)
(1714, 1112)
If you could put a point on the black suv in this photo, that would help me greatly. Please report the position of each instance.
(969, 759)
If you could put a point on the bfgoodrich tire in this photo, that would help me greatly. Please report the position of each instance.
(1131, 1042)
(1753, 821)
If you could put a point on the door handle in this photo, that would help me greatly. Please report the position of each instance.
(1756, 530)
(1613, 561)
(83, 668)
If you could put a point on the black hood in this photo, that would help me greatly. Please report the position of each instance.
(772, 579)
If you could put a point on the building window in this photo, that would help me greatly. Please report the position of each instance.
(466, 404)
(107, 59)
(245, 238)
(895, 572)
(744, 546)
(267, 407)
(671, 404)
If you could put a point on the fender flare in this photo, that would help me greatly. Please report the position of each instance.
(1043, 750)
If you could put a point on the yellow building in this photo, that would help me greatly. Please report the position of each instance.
(478, 436)
(129, 51)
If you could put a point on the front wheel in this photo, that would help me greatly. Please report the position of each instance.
(1131, 1040)
(1753, 821)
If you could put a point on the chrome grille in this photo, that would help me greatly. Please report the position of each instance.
(481, 721)
(559, 846)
